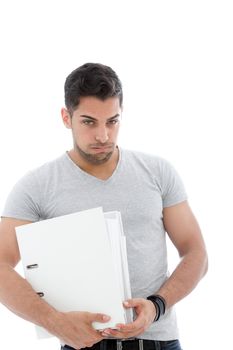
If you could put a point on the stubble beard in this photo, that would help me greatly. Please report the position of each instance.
(95, 159)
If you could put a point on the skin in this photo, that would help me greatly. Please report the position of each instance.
(95, 126)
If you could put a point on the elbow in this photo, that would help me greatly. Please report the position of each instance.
(202, 258)
(205, 263)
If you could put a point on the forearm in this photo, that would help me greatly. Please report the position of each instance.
(185, 277)
(19, 297)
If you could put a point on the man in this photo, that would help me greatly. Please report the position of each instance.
(151, 198)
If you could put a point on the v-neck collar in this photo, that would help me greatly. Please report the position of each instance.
(92, 177)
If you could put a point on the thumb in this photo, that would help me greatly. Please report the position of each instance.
(131, 303)
(97, 317)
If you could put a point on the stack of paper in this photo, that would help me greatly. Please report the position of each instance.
(78, 262)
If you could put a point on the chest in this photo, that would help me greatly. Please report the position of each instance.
(138, 199)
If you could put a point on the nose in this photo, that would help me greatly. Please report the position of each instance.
(102, 135)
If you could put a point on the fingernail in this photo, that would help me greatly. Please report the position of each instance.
(118, 327)
(106, 318)
(104, 334)
(126, 303)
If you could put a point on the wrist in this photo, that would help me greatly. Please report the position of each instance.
(53, 322)
(159, 304)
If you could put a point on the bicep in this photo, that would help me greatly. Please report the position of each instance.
(9, 250)
(182, 228)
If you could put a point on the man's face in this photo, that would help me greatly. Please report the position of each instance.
(95, 126)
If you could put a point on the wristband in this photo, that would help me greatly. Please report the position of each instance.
(159, 304)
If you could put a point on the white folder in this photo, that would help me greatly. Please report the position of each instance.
(78, 262)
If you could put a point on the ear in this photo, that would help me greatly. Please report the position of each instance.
(66, 118)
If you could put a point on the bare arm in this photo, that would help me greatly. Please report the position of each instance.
(184, 232)
(15, 292)
(73, 328)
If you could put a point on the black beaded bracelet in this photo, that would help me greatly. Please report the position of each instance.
(159, 304)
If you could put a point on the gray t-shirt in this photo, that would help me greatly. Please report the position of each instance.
(140, 187)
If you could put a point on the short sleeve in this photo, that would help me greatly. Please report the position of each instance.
(173, 190)
(23, 201)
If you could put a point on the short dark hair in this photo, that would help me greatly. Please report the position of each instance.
(91, 79)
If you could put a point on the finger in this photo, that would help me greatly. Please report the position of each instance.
(120, 335)
(133, 326)
(92, 333)
(97, 317)
(105, 331)
(132, 302)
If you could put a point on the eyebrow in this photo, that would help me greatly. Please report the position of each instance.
(94, 119)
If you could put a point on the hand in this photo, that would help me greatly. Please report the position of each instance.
(75, 328)
(146, 313)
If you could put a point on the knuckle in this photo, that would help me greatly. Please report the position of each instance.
(98, 316)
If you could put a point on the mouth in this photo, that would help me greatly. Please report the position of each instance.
(101, 148)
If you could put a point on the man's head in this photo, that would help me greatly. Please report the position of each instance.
(91, 79)
(93, 98)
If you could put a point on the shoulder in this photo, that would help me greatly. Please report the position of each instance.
(46, 169)
(27, 195)
(151, 161)
(160, 171)
(36, 176)
(50, 166)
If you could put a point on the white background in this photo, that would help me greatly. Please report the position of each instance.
(175, 61)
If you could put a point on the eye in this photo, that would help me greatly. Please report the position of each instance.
(88, 122)
(113, 121)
